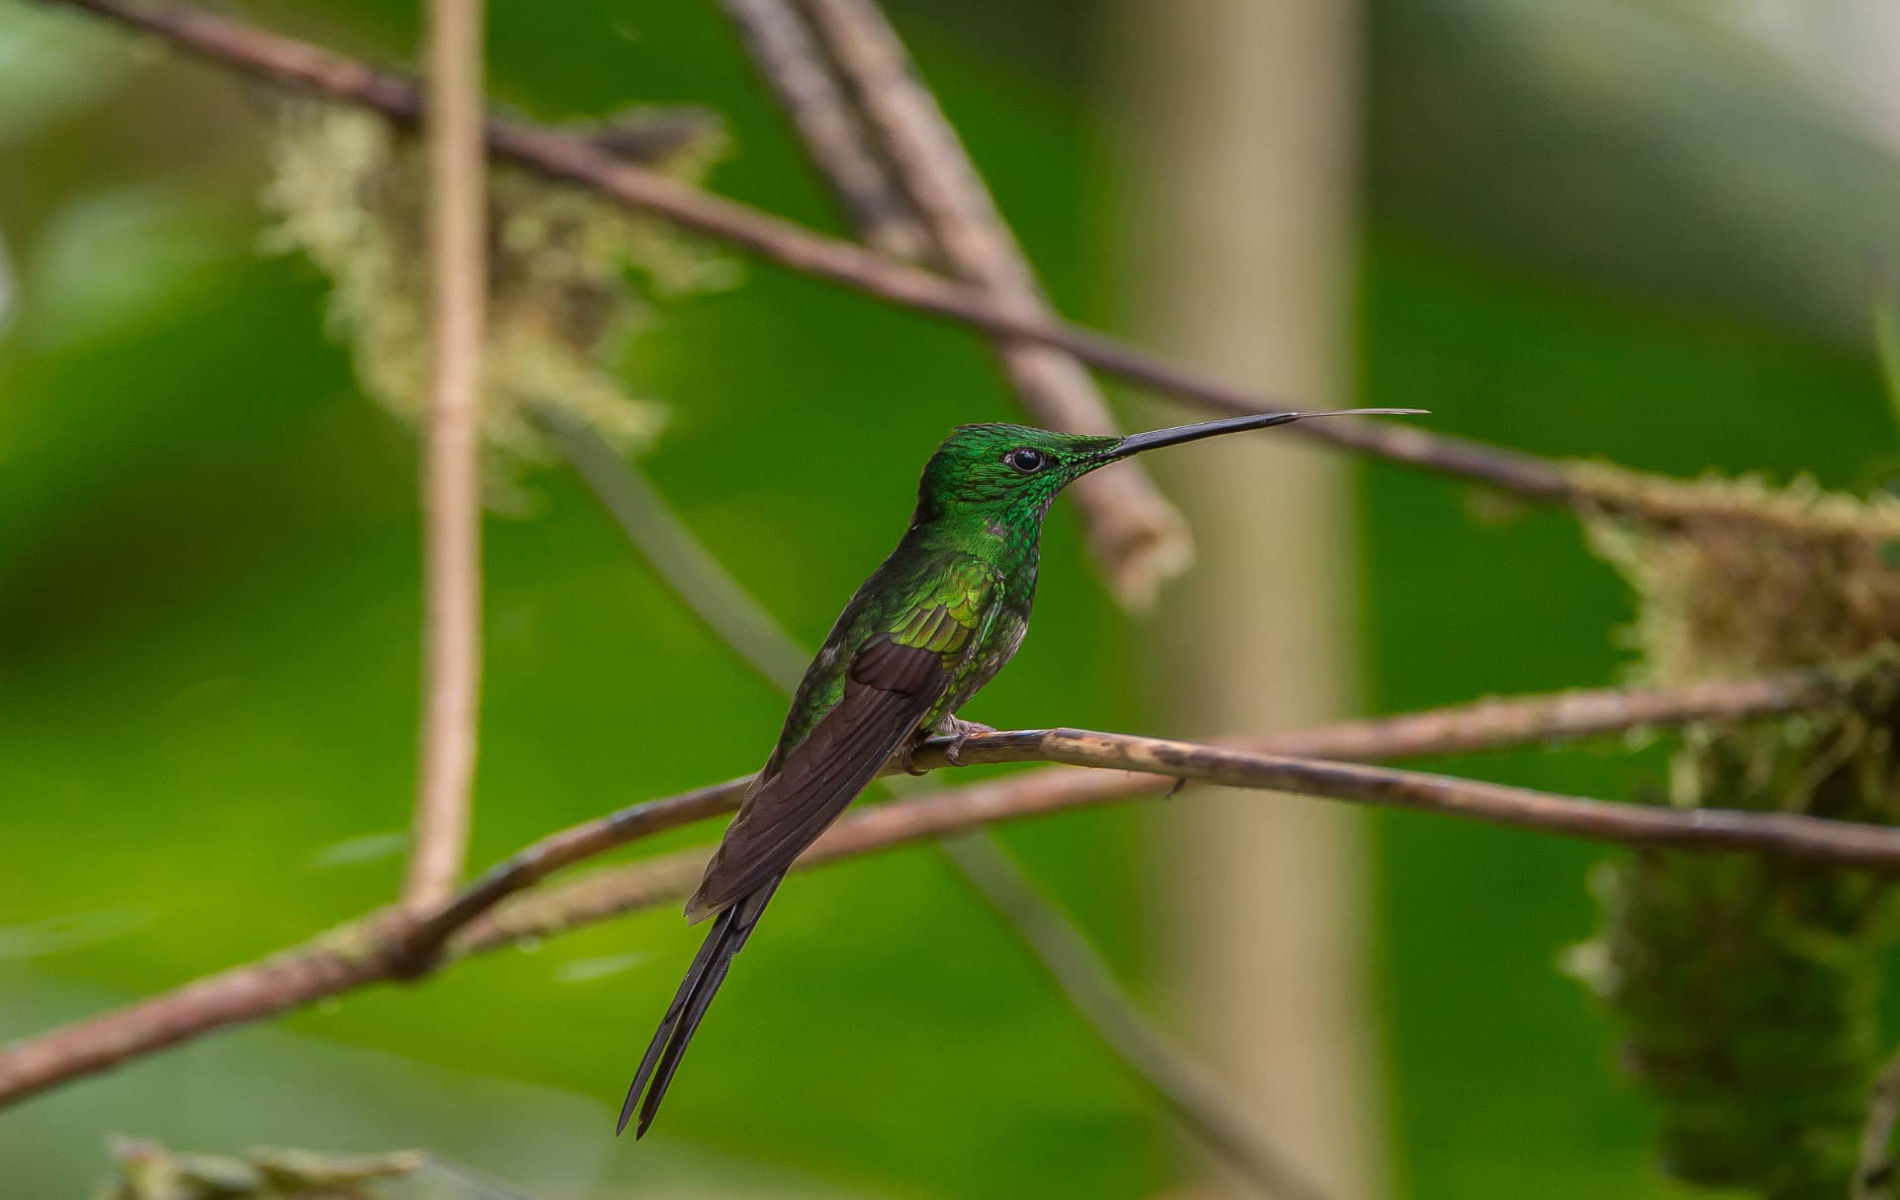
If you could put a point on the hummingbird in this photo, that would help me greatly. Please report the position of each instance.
(933, 624)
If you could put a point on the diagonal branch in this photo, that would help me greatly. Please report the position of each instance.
(303, 67)
(776, 37)
(377, 947)
(696, 578)
(1139, 538)
(452, 459)
(1077, 968)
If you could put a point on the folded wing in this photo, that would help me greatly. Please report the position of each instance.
(891, 684)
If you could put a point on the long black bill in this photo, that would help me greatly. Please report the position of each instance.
(1135, 443)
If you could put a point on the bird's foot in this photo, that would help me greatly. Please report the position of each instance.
(960, 731)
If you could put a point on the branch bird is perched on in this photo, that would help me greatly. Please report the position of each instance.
(930, 626)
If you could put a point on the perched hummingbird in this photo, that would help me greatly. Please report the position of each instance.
(930, 626)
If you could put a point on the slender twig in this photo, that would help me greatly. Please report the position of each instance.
(378, 946)
(1077, 968)
(1137, 536)
(705, 588)
(792, 65)
(1161, 763)
(452, 448)
(420, 940)
(1484, 726)
(303, 67)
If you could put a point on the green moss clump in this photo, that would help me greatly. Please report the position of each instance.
(1746, 988)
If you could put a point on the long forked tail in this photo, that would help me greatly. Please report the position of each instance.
(728, 936)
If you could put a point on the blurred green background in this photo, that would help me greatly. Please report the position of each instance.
(1635, 228)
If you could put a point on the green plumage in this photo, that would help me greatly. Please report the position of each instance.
(930, 627)
(963, 579)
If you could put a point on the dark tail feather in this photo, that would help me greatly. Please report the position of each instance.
(728, 936)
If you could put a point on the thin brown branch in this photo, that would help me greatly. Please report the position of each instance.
(452, 450)
(421, 939)
(1487, 725)
(1160, 764)
(379, 946)
(700, 581)
(1137, 536)
(780, 44)
(1078, 970)
(306, 68)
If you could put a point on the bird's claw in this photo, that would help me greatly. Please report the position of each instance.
(961, 731)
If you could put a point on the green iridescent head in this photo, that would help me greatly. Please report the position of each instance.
(1017, 470)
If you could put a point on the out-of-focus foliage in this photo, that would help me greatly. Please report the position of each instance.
(1636, 142)
(48, 70)
(149, 1171)
(1623, 240)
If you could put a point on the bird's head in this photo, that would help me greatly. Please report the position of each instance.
(1015, 470)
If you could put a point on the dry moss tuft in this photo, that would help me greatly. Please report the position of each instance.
(1736, 576)
(570, 275)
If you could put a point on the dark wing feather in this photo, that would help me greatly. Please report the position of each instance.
(891, 684)
(889, 688)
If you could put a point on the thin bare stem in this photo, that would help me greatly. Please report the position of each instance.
(702, 584)
(306, 68)
(379, 946)
(452, 469)
(1077, 969)
(781, 45)
(1160, 764)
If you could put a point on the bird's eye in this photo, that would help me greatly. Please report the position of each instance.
(1026, 460)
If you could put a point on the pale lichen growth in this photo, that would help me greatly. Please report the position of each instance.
(571, 275)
